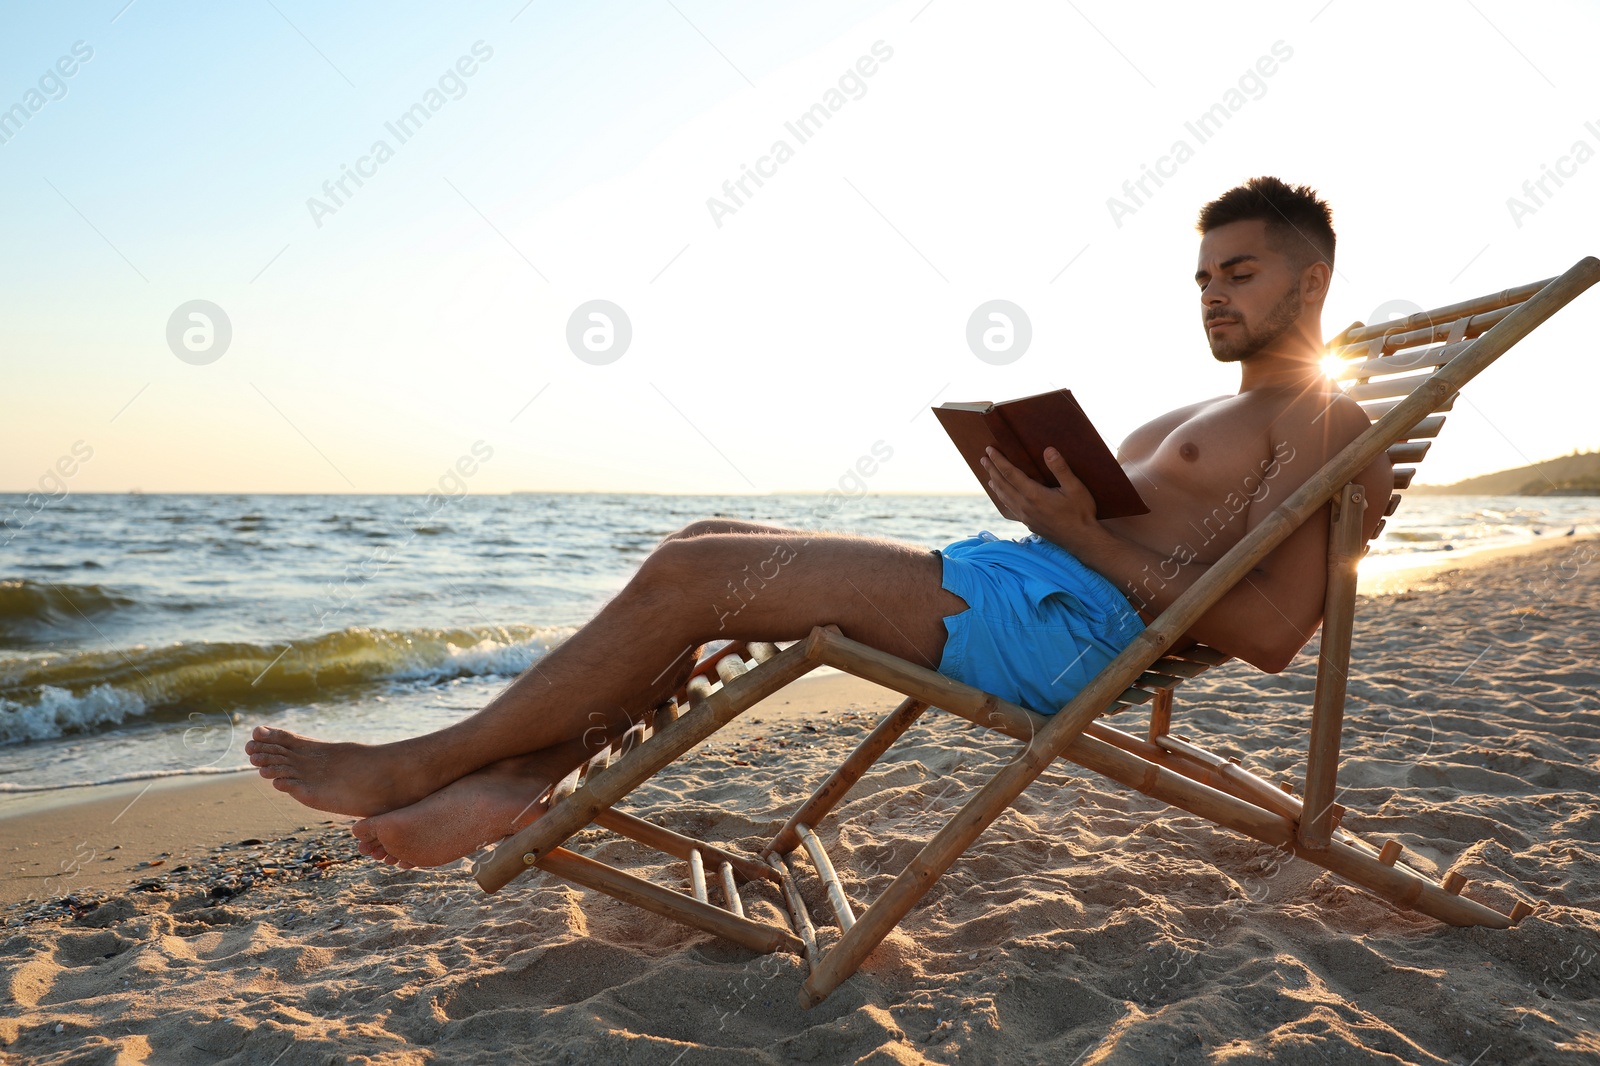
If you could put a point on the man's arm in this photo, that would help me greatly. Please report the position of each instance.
(1271, 613)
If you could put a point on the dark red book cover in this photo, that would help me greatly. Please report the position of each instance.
(1022, 429)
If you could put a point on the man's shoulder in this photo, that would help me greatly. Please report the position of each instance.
(1156, 430)
(1324, 420)
(1323, 409)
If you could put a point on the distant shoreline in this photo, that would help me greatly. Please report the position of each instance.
(1577, 474)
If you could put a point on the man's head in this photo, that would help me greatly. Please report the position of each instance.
(1266, 253)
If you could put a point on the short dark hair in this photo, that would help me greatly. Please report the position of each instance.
(1299, 224)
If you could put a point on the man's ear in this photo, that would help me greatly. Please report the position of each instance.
(1314, 282)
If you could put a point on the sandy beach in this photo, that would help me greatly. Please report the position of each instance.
(219, 921)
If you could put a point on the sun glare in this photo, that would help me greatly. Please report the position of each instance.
(1333, 366)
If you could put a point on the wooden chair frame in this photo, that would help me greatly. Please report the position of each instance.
(1407, 412)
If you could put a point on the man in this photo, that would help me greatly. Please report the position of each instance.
(1030, 620)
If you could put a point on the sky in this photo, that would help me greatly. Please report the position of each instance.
(561, 154)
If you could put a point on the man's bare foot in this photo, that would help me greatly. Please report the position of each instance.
(461, 817)
(356, 779)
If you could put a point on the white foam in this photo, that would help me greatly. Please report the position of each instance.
(58, 711)
(142, 775)
(486, 658)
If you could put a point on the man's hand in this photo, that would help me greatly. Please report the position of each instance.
(1063, 516)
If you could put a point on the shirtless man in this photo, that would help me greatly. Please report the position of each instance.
(1030, 620)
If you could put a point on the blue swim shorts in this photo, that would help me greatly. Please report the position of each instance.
(1038, 625)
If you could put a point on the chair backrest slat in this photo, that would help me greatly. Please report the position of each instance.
(1449, 312)
(1377, 410)
(1199, 653)
(1381, 363)
(1409, 451)
(1428, 428)
(1409, 359)
(1384, 388)
(1441, 329)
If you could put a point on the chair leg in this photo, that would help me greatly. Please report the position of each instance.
(831, 791)
(799, 918)
(1333, 668)
(1161, 714)
(842, 910)
(920, 874)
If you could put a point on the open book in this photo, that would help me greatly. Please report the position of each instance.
(1022, 429)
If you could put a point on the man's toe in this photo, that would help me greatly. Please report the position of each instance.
(268, 735)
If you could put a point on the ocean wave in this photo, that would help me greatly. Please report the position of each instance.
(33, 608)
(88, 691)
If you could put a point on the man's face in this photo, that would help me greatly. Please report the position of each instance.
(1249, 292)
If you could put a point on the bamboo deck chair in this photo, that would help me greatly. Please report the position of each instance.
(1450, 345)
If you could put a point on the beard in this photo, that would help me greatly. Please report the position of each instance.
(1244, 342)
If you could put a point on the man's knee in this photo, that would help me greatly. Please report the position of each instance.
(711, 564)
(698, 528)
(669, 567)
(713, 526)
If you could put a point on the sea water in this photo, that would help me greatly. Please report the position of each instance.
(144, 635)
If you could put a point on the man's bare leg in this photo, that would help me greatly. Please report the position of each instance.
(699, 586)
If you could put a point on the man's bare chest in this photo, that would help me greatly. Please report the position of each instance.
(1223, 448)
(1204, 471)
